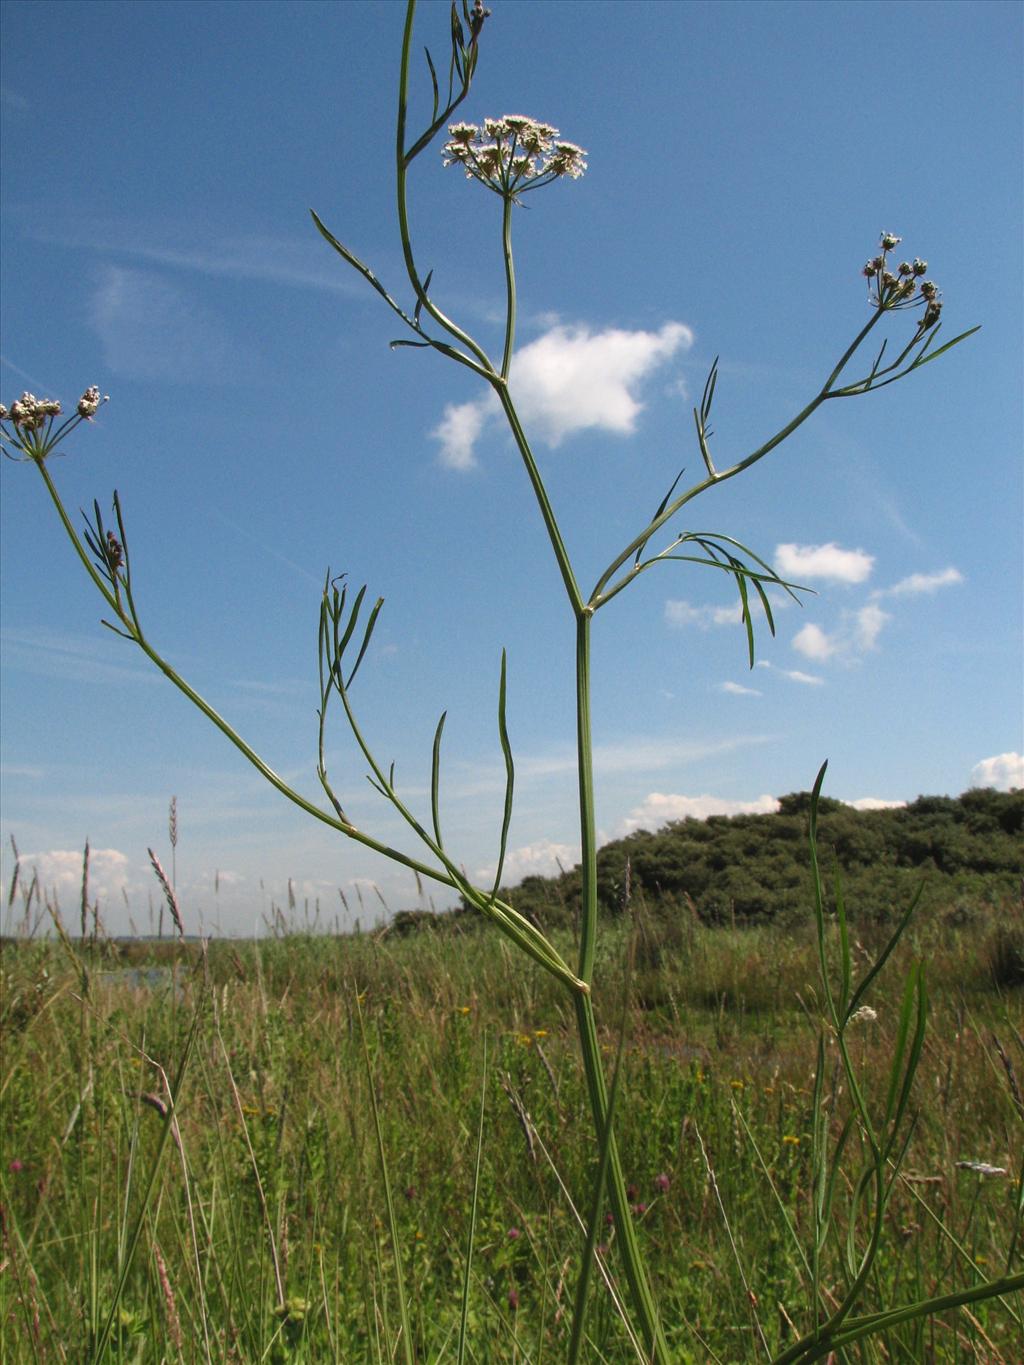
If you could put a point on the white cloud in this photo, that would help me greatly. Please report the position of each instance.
(459, 430)
(60, 873)
(808, 679)
(873, 803)
(793, 674)
(658, 808)
(857, 635)
(868, 625)
(801, 562)
(568, 380)
(738, 690)
(679, 612)
(918, 583)
(541, 859)
(812, 642)
(1002, 771)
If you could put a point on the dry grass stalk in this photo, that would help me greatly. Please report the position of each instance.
(168, 890)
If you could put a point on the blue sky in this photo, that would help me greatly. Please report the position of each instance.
(743, 158)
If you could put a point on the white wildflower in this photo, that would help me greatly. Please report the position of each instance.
(865, 1015)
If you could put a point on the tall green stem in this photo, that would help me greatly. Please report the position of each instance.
(632, 1259)
(585, 768)
(510, 287)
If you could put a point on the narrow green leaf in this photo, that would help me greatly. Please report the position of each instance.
(433, 82)
(435, 781)
(748, 620)
(506, 750)
(661, 507)
(709, 394)
(419, 302)
(883, 957)
(845, 958)
(934, 355)
(366, 638)
(900, 1047)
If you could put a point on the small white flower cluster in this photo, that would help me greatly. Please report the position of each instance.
(32, 418)
(902, 290)
(89, 403)
(513, 154)
(864, 1015)
(30, 412)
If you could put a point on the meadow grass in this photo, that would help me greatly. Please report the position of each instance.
(267, 1235)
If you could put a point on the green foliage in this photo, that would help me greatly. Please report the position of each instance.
(278, 1099)
(966, 850)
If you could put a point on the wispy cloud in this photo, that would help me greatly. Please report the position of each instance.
(71, 658)
(830, 562)
(302, 260)
(570, 379)
(679, 613)
(1002, 771)
(265, 547)
(23, 770)
(918, 583)
(735, 689)
(150, 328)
(793, 674)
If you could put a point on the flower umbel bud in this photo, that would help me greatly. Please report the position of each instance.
(905, 289)
(115, 552)
(89, 403)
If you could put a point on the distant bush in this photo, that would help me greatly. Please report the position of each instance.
(753, 868)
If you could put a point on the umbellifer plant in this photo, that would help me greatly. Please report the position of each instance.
(512, 156)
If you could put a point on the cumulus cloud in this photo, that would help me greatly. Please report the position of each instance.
(541, 859)
(918, 583)
(1002, 771)
(736, 689)
(60, 872)
(874, 803)
(658, 808)
(568, 380)
(804, 562)
(813, 643)
(858, 634)
(679, 613)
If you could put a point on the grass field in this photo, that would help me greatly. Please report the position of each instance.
(266, 1235)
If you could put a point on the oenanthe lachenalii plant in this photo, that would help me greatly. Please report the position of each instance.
(510, 156)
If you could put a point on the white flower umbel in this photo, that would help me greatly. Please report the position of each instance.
(513, 154)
